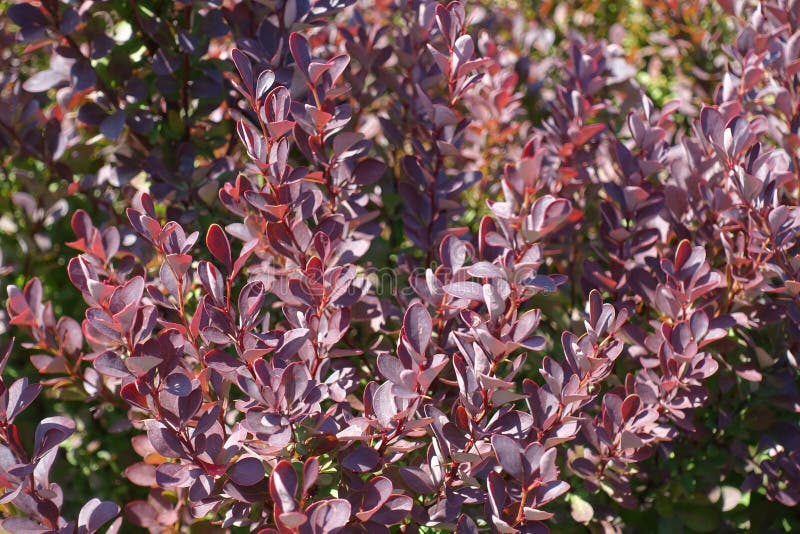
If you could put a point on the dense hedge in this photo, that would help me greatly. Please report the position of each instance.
(330, 266)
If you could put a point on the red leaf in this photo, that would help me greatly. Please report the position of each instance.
(219, 246)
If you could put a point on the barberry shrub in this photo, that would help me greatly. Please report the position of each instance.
(400, 266)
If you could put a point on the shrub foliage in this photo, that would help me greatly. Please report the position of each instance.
(400, 266)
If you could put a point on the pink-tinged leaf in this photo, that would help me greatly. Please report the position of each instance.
(328, 515)
(142, 514)
(163, 440)
(508, 454)
(49, 364)
(749, 373)
(283, 486)
(43, 80)
(453, 253)
(532, 514)
(465, 290)
(251, 299)
(463, 50)
(141, 474)
(19, 308)
(129, 393)
(447, 24)
(551, 490)
(145, 225)
(547, 461)
(292, 520)
(141, 365)
(212, 281)
(484, 269)
(712, 124)
(219, 246)
(24, 525)
(629, 440)
(417, 327)
(279, 128)
(95, 514)
(417, 479)
(494, 302)
(173, 475)
(247, 471)
(383, 404)
(265, 81)
(378, 492)
(316, 69)
(336, 66)
(127, 295)
(110, 364)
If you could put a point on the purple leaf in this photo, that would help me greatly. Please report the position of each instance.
(163, 440)
(310, 474)
(361, 460)
(20, 396)
(245, 69)
(109, 364)
(328, 515)
(50, 432)
(465, 290)
(417, 327)
(95, 514)
(283, 486)
(178, 384)
(247, 471)
(83, 76)
(508, 454)
(299, 48)
(111, 127)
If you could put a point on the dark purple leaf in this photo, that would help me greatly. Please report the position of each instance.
(95, 514)
(299, 48)
(83, 76)
(178, 384)
(245, 69)
(247, 471)
(361, 460)
(112, 126)
(50, 432)
(20, 395)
